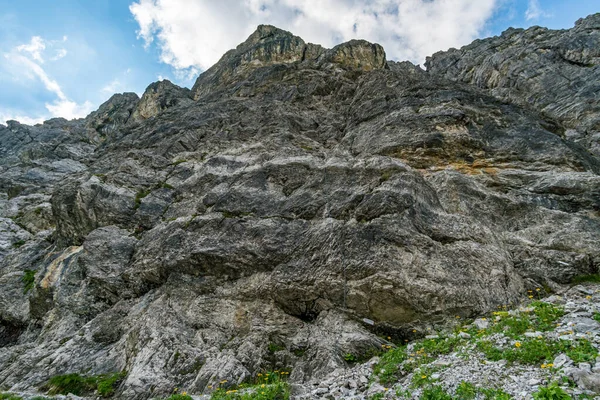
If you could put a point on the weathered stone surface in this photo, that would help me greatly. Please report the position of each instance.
(554, 72)
(255, 222)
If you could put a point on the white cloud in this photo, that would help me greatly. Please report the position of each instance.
(60, 53)
(69, 109)
(112, 87)
(4, 117)
(25, 62)
(34, 48)
(195, 34)
(534, 11)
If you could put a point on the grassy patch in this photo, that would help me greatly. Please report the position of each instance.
(538, 351)
(19, 244)
(139, 196)
(268, 386)
(596, 316)
(9, 396)
(387, 369)
(28, 280)
(78, 385)
(179, 397)
(551, 392)
(466, 391)
(435, 393)
(495, 394)
(546, 315)
(594, 278)
(274, 347)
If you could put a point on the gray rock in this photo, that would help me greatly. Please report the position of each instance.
(481, 323)
(560, 360)
(297, 203)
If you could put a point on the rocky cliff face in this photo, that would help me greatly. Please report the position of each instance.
(257, 221)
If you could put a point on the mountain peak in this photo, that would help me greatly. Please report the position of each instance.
(269, 45)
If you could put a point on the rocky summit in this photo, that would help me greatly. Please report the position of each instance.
(297, 210)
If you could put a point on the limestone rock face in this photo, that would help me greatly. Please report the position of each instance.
(554, 72)
(157, 98)
(256, 222)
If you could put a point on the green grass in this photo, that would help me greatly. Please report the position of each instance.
(594, 278)
(435, 393)
(546, 315)
(596, 316)
(495, 394)
(139, 196)
(437, 347)
(28, 280)
(274, 347)
(387, 369)
(179, 397)
(551, 392)
(19, 244)
(268, 386)
(466, 391)
(349, 357)
(538, 351)
(78, 385)
(9, 396)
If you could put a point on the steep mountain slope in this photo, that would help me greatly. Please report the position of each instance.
(296, 194)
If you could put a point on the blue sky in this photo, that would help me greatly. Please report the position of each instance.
(66, 57)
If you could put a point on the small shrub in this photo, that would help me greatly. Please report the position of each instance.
(596, 316)
(551, 392)
(28, 280)
(268, 386)
(435, 393)
(349, 357)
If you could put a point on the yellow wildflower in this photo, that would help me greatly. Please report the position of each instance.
(588, 297)
(537, 289)
(423, 376)
(543, 366)
(550, 365)
(531, 297)
(262, 386)
(518, 344)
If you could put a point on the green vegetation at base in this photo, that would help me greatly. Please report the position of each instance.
(268, 386)
(594, 278)
(539, 350)
(551, 392)
(9, 396)
(78, 385)
(179, 397)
